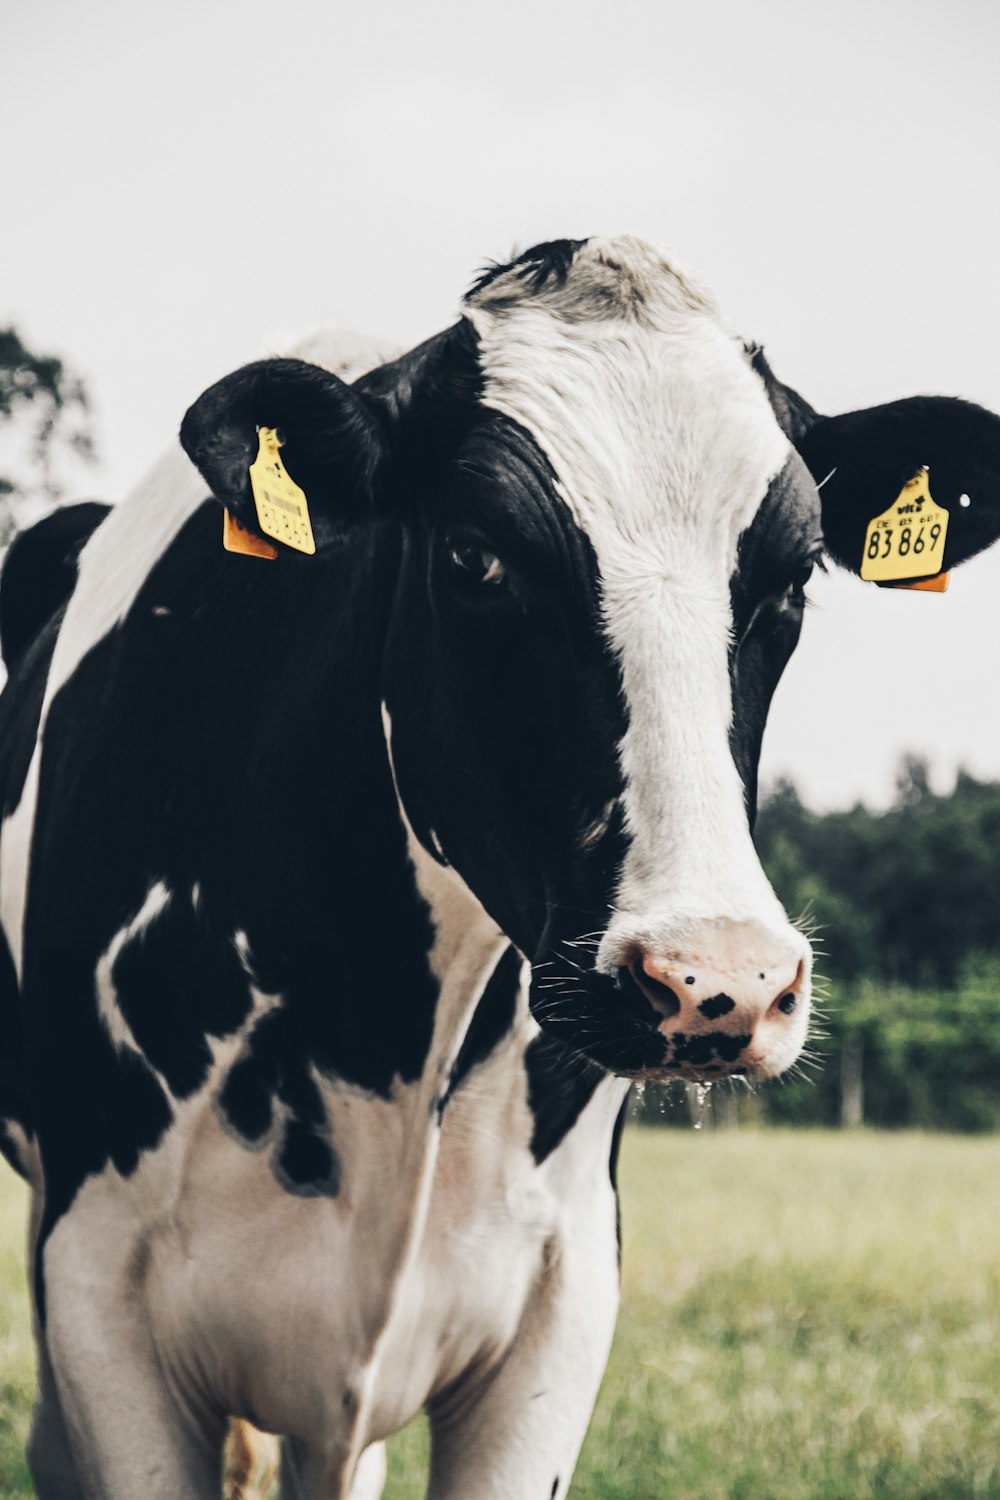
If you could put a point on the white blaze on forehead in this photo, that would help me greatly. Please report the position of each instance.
(663, 443)
(660, 433)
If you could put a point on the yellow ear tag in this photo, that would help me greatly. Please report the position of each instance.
(907, 540)
(236, 538)
(281, 506)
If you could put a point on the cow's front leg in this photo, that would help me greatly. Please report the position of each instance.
(133, 1428)
(53, 1470)
(514, 1432)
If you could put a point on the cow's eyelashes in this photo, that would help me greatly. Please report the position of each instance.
(802, 574)
(784, 605)
(475, 564)
(800, 578)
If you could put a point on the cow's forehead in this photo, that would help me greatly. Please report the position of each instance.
(618, 363)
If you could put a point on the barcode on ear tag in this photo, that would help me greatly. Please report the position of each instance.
(907, 540)
(236, 538)
(281, 506)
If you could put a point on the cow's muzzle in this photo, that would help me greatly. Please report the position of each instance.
(715, 999)
(732, 998)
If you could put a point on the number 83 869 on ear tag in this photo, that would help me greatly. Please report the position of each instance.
(907, 540)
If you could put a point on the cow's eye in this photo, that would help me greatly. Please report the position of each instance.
(801, 576)
(475, 563)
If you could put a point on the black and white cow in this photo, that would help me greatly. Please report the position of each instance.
(344, 895)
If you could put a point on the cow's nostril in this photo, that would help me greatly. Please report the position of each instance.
(660, 996)
(787, 1004)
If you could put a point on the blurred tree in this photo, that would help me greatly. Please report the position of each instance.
(47, 406)
(905, 895)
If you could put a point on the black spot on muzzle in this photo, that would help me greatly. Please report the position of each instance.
(717, 1005)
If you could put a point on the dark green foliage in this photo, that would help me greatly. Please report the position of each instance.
(906, 895)
(903, 896)
(38, 391)
(929, 1058)
(906, 910)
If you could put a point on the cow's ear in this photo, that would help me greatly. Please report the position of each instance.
(332, 445)
(862, 461)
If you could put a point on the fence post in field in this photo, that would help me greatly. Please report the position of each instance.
(725, 1108)
(852, 1082)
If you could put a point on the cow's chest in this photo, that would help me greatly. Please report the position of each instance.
(328, 1311)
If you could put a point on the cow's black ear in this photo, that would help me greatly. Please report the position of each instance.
(863, 459)
(333, 444)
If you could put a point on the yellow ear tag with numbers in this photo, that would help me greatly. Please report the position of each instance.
(907, 540)
(281, 506)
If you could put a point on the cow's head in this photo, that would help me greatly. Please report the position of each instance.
(601, 511)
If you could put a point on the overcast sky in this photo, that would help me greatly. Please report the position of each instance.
(187, 184)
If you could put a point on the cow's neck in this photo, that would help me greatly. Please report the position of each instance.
(380, 955)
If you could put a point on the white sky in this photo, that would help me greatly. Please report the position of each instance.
(184, 183)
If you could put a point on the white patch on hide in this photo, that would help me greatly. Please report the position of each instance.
(108, 1009)
(663, 443)
(15, 853)
(24, 1148)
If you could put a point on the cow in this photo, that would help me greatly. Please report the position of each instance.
(347, 889)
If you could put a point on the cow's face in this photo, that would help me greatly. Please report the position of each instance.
(589, 627)
(604, 536)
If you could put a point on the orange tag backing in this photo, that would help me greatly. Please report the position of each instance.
(907, 540)
(236, 538)
(936, 585)
(281, 506)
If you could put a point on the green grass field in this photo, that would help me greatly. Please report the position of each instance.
(805, 1317)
